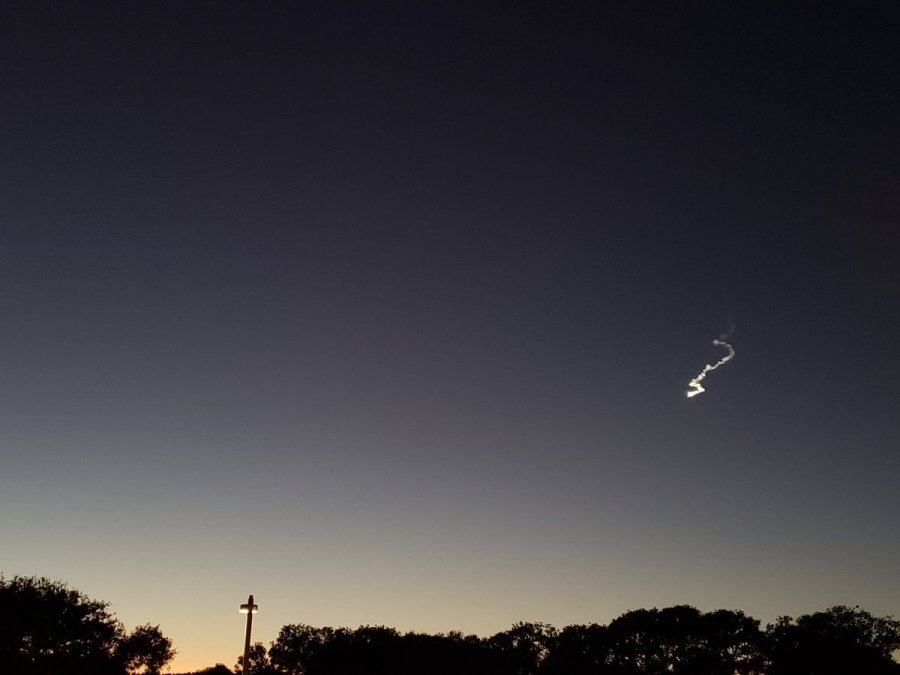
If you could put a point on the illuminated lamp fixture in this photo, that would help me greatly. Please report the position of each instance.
(249, 608)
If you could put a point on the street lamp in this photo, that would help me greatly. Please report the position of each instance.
(249, 609)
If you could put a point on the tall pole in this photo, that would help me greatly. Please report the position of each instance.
(250, 609)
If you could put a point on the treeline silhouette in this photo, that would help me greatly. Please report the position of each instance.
(678, 640)
(46, 628)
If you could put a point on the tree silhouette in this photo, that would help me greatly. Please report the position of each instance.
(146, 650)
(299, 647)
(449, 654)
(369, 650)
(733, 644)
(839, 640)
(257, 661)
(579, 650)
(375, 650)
(218, 669)
(685, 641)
(524, 646)
(679, 640)
(46, 628)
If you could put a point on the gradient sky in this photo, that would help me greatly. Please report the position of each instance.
(385, 312)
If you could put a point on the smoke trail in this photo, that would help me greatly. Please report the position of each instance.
(694, 386)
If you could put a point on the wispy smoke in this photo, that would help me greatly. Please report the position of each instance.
(694, 386)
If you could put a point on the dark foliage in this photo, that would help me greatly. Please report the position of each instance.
(46, 628)
(678, 640)
(376, 650)
(257, 661)
(218, 669)
(840, 640)
(145, 650)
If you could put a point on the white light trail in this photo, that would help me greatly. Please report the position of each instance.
(694, 386)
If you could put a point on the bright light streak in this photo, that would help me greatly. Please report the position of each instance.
(694, 386)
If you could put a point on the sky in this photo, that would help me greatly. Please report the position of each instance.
(385, 312)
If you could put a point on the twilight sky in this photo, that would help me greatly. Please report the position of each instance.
(385, 312)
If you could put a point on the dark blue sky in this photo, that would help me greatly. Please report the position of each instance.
(409, 294)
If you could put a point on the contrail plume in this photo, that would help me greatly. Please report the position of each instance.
(694, 386)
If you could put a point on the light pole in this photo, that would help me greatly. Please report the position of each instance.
(249, 609)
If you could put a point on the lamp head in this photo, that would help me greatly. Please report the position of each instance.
(249, 607)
